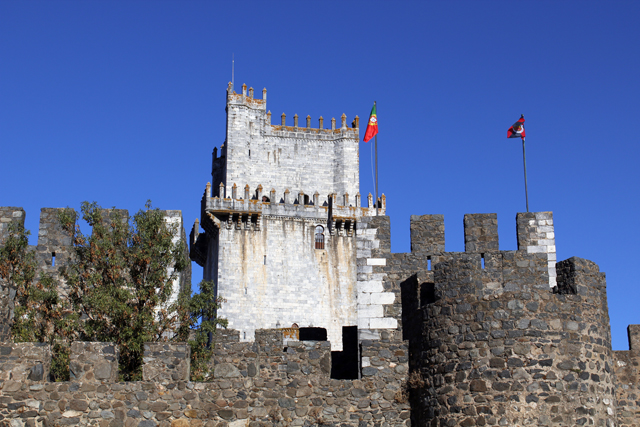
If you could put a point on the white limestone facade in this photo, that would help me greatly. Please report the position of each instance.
(280, 157)
(280, 224)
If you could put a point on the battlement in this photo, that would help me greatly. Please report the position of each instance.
(9, 214)
(298, 131)
(534, 230)
(285, 155)
(246, 98)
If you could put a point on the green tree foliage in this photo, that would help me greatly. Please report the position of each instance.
(198, 325)
(119, 282)
(121, 279)
(39, 312)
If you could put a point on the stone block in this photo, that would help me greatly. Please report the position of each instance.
(363, 322)
(370, 310)
(25, 362)
(166, 362)
(382, 298)
(376, 261)
(94, 362)
(370, 286)
(384, 323)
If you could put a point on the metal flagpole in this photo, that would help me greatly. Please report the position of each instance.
(524, 160)
(376, 142)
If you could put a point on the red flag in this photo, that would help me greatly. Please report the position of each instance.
(517, 130)
(372, 126)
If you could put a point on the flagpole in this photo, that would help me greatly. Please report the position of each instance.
(376, 143)
(524, 160)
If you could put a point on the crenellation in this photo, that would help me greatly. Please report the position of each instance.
(536, 235)
(94, 362)
(427, 234)
(54, 247)
(23, 364)
(481, 233)
(166, 362)
(633, 332)
(8, 215)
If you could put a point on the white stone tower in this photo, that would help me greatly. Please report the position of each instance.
(280, 220)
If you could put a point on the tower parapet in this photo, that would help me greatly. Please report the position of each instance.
(281, 156)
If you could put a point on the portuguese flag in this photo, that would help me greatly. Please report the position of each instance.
(372, 126)
(517, 130)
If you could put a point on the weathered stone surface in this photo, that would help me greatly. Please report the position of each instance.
(93, 362)
(166, 362)
(226, 370)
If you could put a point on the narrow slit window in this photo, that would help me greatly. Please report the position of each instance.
(249, 153)
(53, 259)
(429, 263)
(265, 260)
(319, 237)
(482, 260)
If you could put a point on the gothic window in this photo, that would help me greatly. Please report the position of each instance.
(319, 237)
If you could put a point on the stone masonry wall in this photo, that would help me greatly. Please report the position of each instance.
(627, 369)
(489, 343)
(524, 356)
(54, 247)
(9, 214)
(374, 300)
(478, 339)
(536, 235)
(255, 384)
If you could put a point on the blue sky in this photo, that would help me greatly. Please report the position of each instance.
(123, 101)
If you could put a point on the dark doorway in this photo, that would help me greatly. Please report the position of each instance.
(345, 364)
(313, 334)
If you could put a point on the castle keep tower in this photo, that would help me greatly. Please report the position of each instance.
(280, 221)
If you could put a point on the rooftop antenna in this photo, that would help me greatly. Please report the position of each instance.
(232, 70)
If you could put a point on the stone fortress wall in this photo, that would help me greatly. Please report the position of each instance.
(471, 346)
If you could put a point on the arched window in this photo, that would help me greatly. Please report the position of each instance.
(319, 237)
